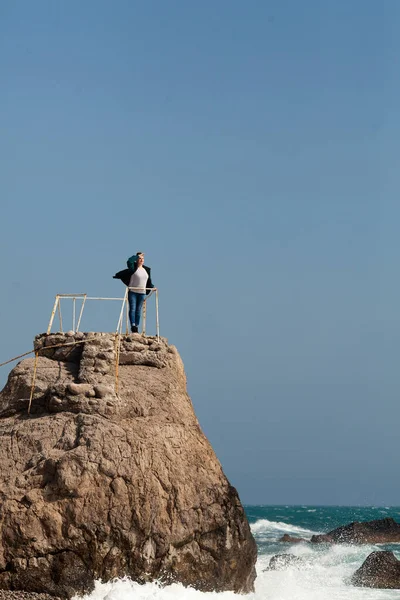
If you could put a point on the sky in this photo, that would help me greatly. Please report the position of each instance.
(251, 150)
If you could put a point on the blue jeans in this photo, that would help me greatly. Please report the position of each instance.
(135, 307)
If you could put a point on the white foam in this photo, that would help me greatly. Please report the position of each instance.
(318, 583)
(125, 589)
(264, 526)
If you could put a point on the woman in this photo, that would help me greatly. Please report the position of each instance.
(138, 278)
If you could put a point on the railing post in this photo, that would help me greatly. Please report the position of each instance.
(81, 312)
(73, 313)
(144, 318)
(53, 312)
(59, 314)
(119, 326)
(157, 320)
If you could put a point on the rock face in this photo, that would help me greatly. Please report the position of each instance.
(7, 595)
(379, 570)
(95, 484)
(381, 531)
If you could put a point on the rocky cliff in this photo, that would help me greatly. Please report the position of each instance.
(95, 484)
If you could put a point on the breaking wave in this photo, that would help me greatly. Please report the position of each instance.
(266, 527)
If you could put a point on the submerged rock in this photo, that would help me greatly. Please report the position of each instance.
(292, 540)
(379, 570)
(381, 531)
(280, 562)
(97, 485)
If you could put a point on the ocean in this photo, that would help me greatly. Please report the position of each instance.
(324, 576)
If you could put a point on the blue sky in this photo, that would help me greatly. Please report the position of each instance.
(251, 150)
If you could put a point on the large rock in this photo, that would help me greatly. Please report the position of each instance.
(379, 570)
(381, 531)
(95, 484)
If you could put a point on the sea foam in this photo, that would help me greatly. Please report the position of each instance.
(291, 584)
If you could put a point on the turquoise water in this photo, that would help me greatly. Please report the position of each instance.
(323, 575)
(323, 518)
(326, 569)
(269, 523)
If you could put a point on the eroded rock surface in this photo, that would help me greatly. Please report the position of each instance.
(379, 570)
(95, 484)
(7, 595)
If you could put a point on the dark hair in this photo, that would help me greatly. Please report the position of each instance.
(137, 253)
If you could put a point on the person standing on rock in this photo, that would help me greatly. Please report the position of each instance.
(138, 278)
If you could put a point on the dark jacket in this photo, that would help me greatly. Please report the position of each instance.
(125, 274)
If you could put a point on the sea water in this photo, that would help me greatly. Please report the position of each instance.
(323, 574)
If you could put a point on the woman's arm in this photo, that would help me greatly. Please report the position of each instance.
(131, 261)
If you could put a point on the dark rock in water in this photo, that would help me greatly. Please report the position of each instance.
(379, 570)
(381, 531)
(97, 485)
(283, 561)
(292, 540)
